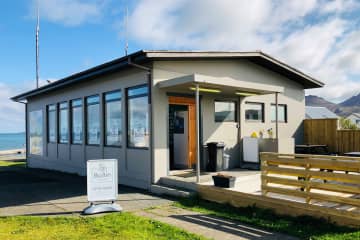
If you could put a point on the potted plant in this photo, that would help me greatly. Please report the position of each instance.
(225, 181)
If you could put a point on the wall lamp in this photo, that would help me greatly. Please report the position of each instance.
(209, 90)
(245, 94)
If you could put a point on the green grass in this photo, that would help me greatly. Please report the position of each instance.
(12, 164)
(122, 226)
(304, 227)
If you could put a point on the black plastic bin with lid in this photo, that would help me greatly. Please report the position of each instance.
(215, 156)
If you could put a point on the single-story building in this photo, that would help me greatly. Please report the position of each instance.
(354, 119)
(154, 111)
(312, 112)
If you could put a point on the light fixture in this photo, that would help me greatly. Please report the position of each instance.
(245, 94)
(209, 90)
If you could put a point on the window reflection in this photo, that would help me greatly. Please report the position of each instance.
(138, 117)
(63, 123)
(254, 111)
(77, 126)
(224, 111)
(282, 113)
(36, 132)
(93, 120)
(113, 119)
(52, 123)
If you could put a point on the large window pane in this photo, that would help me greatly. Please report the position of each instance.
(113, 119)
(254, 112)
(138, 117)
(282, 113)
(51, 123)
(64, 123)
(36, 132)
(77, 125)
(93, 120)
(225, 111)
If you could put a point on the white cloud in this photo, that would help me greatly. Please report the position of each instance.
(69, 12)
(316, 36)
(12, 114)
(339, 6)
(12, 117)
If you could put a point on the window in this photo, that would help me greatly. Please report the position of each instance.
(93, 120)
(76, 122)
(282, 113)
(138, 117)
(113, 118)
(254, 112)
(63, 123)
(51, 123)
(36, 132)
(225, 111)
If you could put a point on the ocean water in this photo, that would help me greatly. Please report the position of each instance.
(12, 141)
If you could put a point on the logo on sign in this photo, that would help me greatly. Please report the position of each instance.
(101, 173)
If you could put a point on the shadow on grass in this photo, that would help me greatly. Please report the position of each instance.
(304, 227)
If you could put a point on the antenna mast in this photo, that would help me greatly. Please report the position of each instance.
(126, 32)
(37, 45)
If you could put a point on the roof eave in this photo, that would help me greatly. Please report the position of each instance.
(310, 82)
(89, 73)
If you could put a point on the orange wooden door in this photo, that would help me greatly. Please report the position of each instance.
(192, 136)
(190, 102)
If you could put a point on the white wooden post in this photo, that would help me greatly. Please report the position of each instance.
(276, 116)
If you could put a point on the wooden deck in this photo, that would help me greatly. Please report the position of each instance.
(320, 186)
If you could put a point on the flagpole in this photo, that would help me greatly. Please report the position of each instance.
(37, 45)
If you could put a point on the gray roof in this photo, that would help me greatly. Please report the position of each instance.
(145, 56)
(357, 115)
(319, 113)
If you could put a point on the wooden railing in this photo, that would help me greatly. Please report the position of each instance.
(313, 179)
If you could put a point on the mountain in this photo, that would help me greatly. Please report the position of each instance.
(345, 108)
(353, 101)
(315, 101)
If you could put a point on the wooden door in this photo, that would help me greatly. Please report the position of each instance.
(190, 102)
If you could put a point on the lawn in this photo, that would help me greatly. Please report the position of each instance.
(303, 227)
(12, 164)
(112, 226)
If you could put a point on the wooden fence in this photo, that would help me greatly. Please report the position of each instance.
(326, 132)
(332, 182)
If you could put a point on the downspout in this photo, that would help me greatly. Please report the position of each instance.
(26, 133)
(149, 80)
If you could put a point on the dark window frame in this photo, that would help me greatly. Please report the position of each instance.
(226, 101)
(71, 119)
(285, 112)
(59, 108)
(47, 122)
(104, 116)
(262, 112)
(127, 98)
(86, 104)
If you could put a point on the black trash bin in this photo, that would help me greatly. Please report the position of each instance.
(215, 156)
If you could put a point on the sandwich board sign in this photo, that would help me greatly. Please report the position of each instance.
(102, 185)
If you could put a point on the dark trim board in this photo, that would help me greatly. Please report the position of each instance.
(144, 56)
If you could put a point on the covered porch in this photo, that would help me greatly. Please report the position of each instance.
(198, 87)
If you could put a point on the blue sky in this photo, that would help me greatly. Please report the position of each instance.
(319, 37)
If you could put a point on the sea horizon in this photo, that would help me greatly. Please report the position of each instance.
(9, 141)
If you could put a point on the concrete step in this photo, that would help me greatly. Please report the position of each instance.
(169, 191)
(178, 182)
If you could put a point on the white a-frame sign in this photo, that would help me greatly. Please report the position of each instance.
(102, 186)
